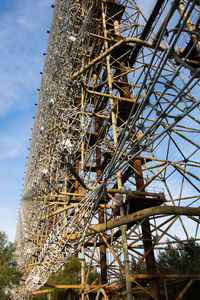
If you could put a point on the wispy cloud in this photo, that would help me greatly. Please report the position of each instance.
(10, 148)
(21, 47)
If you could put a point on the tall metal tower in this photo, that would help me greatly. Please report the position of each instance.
(113, 168)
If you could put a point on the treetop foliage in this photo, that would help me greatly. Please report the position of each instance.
(8, 272)
(184, 258)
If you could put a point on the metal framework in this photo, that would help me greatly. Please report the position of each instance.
(113, 168)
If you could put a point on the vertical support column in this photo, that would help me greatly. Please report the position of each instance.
(119, 180)
(146, 230)
(147, 238)
(82, 164)
(103, 263)
(76, 185)
(49, 296)
(82, 270)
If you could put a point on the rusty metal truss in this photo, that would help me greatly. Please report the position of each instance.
(113, 169)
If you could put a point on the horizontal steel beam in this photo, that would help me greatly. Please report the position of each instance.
(42, 292)
(142, 214)
(137, 216)
(80, 286)
(165, 276)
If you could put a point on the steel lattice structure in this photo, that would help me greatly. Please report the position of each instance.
(113, 167)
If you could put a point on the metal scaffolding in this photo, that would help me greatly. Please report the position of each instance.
(113, 168)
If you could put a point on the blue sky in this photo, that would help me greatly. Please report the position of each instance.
(23, 39)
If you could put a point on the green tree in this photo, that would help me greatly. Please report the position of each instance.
(8, 273)
(183, 259)
(69, 274)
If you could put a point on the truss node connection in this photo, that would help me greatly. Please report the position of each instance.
(113, 167)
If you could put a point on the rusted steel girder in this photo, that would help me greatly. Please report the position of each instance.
(146, 236)
(144, 213)
(166, 276)
(103, 264)
(138, 216)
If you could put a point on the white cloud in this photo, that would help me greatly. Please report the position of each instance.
(23, 39)
(10, 148)
(25, 22)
